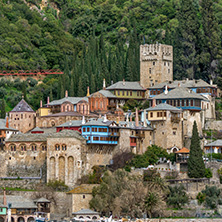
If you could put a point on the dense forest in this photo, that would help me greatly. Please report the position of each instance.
(91, 40)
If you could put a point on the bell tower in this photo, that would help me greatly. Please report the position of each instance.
(156, 64)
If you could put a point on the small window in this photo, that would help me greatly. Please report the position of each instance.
(34, 158)
(83, 196)
(154, 63)
(150, 70)
(34, 147)
(63, 147)
(151, 114)
(9, 158)
(57, 147)
(168, 70)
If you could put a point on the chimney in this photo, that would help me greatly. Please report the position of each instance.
(211, 82)
(88, 94)
(105, 119)
(144, 119)
(153, 102)
(166, 90)
(127, 117)
(48, 100)
(4, 198)
(104, 84)
(187, 79)
(7, 122)
(137, 118)
(178, 84)
(40, 103)
(124, 83)
(83, 120)
(131, 118)
(117, 119)
(66, 93)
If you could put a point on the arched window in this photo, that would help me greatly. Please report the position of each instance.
(52, 123)
(34, 147)
(23, 147)
(44, 147)
(57, 147)
(63, 147)
(12, 147)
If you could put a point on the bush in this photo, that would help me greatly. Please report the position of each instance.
(201, 197)
(177, 196)
(57, 185)
(208, 173)
(213, 197)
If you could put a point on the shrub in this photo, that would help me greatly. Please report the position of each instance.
(212, 196)
(201, 197)
(177, 196)
(57, 185)
(208, 173)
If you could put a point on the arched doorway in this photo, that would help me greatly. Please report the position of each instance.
(31, 219)
(2, 219)
(20, 219)
(12, 219)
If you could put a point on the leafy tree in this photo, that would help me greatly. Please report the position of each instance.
(196, 167)
(177, 196)
(151, 156)
(127, 195)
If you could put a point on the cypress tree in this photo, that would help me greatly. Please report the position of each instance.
(187, 40)
(51, 94)
(212, 42)
(196, 167)
(71, 89)
(3, 113)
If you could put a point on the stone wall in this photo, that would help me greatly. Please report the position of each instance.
(183, 220)
(29, 184)
(213, 125)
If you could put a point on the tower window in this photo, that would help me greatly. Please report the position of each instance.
(168, 70)
(154, 63)
(150, 71)
(164, 63)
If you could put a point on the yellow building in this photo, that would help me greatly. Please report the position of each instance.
(43, 111)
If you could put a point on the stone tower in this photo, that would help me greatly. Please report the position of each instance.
(156, 64)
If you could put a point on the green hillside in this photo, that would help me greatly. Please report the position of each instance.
(91, 40)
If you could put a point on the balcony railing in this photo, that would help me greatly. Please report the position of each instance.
(113, 133)
(182, 159)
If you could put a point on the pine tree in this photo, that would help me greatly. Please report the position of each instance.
(196, 167)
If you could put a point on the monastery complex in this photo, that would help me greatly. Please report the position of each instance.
(65, 138)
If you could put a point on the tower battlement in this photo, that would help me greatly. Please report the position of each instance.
(156, 64)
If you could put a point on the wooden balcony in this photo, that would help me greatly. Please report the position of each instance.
(175, 119)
